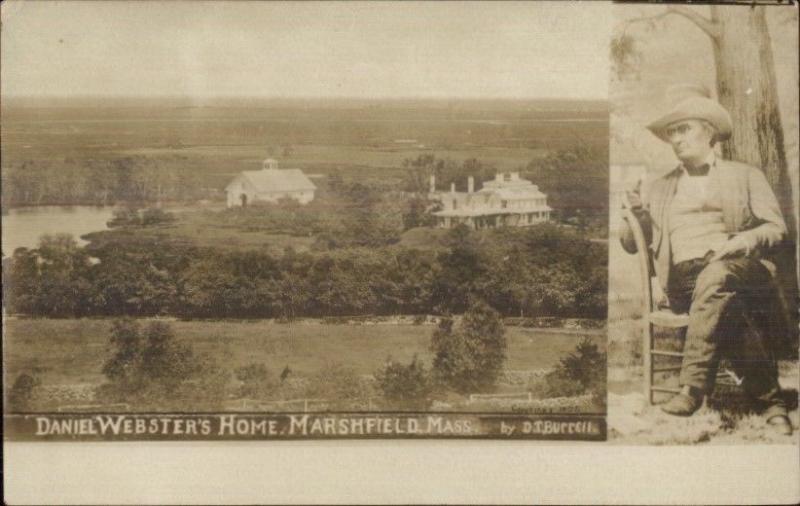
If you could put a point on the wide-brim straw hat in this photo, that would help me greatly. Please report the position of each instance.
(694, 105)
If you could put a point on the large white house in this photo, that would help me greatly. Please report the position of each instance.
(270, 184)
(508, 200)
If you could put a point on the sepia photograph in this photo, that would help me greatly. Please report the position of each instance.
(703, 330)
(266, 220)
(400, 252)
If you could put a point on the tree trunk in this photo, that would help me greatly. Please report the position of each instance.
(747, 88)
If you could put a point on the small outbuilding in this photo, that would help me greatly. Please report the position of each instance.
(270, 184)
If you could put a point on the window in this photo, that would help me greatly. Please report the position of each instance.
(504, 204)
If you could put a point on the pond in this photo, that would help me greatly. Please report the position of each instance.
(22, 227)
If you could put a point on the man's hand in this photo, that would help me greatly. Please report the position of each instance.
(634, 200)
(735, 246)
(633, 197)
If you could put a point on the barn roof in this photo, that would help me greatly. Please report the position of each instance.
(278, 180)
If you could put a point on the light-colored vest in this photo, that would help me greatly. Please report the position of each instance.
(695, 220)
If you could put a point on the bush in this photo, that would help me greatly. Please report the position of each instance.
(337, 383)
(257, 381)
(156, 216)
(150, 369)
(405, 386)
(554, 384)
(586, 365)
(133, 217)
(21, 393)
(581, 371)
(470, 358)
(420, 319)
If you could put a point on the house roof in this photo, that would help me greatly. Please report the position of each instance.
(278, 180)
(518, 193)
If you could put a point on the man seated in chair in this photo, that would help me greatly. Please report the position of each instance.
(708, 222)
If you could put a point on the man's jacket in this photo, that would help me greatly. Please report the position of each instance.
(749, 209)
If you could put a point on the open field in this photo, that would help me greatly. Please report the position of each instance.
(73, 350)
(193, 150)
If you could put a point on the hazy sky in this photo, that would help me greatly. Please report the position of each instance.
(348, 49)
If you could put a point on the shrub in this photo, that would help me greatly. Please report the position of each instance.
(405, 386)
(156, 216)
(586, 365)
(554, 384)
(581, 371)
(123, 217)
(337, 383)
(132, 217)
(257, 381)
(151, 369)
(21, 393)
(420, 319)
(470, 358)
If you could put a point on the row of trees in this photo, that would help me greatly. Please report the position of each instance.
(543, 270)
(101, 181)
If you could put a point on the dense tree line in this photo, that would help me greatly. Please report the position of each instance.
(102, 181)
(575, 181)
(542, 270)
(447, 171)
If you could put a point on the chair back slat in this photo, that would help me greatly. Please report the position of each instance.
(643, 259)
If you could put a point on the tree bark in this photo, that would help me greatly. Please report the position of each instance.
(746, 87)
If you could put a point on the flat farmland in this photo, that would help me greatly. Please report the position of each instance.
(325, 157)
(68, 351)
(194, 150)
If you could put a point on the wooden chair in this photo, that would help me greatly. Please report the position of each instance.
(655, 317)
(652, 316)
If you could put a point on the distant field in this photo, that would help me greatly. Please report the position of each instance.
(197, 150)
(325, 157)
(73, 351)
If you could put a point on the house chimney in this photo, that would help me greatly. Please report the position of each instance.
(470, 184)
(433, 183)
(452, 187)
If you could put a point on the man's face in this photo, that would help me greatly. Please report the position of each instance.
(690, 140)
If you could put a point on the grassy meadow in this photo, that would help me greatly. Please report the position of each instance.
(70, 351)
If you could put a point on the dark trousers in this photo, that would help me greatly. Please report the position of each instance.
(729, 315)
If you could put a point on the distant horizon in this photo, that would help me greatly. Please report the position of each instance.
(208, 99)
(301, 97)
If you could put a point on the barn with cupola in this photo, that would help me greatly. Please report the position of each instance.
(270, 184)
